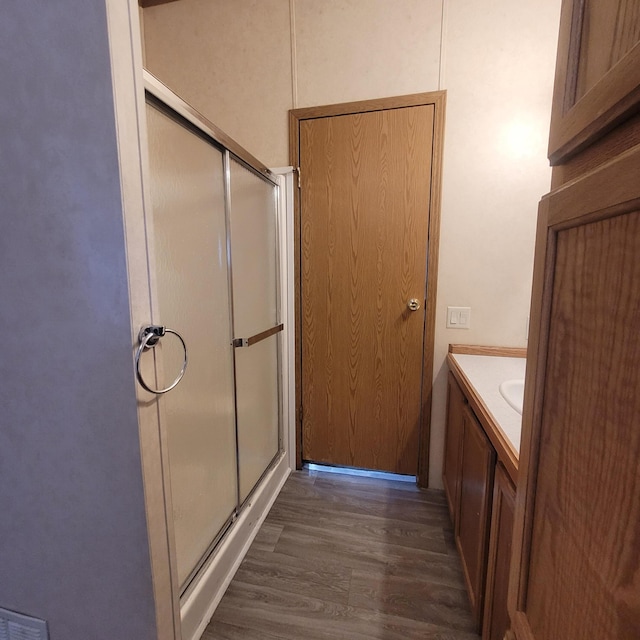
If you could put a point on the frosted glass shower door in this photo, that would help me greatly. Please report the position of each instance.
(253, 226)
(191, 267)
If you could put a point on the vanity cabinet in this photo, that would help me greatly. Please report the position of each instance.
(480, 493)
(477, 465)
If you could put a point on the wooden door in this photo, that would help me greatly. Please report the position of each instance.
(365, 204)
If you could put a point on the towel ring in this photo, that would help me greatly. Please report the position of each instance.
(149, 337)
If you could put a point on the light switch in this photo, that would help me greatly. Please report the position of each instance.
(458, 317)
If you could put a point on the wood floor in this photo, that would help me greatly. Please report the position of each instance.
(348, 558)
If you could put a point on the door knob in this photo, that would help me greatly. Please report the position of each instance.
(413, 304)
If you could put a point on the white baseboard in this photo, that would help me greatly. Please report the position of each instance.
(199, 604)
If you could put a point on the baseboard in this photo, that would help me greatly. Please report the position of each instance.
(200, 603)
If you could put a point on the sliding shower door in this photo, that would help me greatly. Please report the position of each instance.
(213, 240)
(253, 227)
(192, 283)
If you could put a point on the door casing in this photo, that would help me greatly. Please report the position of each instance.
(438, 100)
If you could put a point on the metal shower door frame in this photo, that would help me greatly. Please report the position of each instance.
(161, 97)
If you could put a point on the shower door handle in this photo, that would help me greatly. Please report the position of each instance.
(258, 337)
(149, 337)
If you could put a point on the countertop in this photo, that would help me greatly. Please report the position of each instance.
(480, 375)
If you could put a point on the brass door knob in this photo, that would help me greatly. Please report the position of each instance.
(413, 304)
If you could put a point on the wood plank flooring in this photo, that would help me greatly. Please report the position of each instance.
(349, 558)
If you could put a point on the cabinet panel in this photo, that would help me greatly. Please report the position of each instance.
(452, 446)
(609, 31)
(598, 72)
(496, 616)
(476, 485)
(577, 525)
(589, 487)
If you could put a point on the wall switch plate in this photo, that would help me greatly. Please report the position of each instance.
(458, 317)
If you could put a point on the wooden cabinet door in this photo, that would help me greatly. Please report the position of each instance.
(576, 561)
(496, 615)
(452, 446)
(472, 527)
(597, 81)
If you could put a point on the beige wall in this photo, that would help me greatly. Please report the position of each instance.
(261, 58)
(498, 70)
(242, 50)
(358, 49)
(494, 59)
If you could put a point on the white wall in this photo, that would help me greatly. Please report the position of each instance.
(350, 50)
(499, 60)
(496, 61)
(73, 535)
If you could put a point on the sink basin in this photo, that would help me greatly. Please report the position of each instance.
(513, 392)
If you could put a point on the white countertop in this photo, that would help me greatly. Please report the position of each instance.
(486, 373)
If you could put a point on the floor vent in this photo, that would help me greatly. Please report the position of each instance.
(15, 626)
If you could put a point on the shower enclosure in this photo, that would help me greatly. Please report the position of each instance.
(213, 250)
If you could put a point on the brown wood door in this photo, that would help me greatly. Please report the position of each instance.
(365, 203)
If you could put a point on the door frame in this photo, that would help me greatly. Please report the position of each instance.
(296, 116)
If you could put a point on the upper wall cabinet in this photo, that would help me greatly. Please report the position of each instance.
(597, 83)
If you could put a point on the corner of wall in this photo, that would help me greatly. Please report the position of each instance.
(497, 65)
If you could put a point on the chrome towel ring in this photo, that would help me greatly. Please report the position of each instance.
(149, 337)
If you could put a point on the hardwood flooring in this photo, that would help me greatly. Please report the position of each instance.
(349, 558)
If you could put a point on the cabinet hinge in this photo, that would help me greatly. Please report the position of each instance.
(299, 183)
